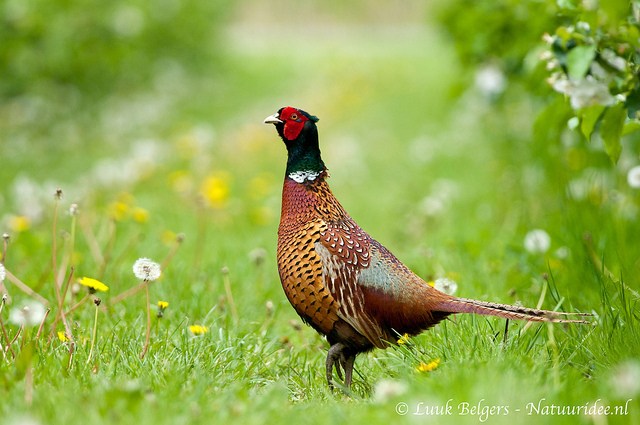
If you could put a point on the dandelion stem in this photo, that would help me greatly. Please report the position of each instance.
(227, 289)
(148, 334)
(129, 292)
(42, 323)
(174, 249)
(78, 304)
(24, 288)
(93, 334)
(5, 336)
(54, 253)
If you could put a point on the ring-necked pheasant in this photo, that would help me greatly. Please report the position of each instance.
(342, 282)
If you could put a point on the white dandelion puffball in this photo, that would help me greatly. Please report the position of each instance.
(445, 285)
(3, 273)
(146, 269)
(387, 389)
(30, 314)
(537, 241)
(633, 177)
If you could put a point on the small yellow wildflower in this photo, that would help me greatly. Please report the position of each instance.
(403, 339)
(63, 336)
(428, 367)
(162, 305)
(198, 329)
(93, 284)
(19, 223)
(140, 215)
(215, 190)
(119, 210)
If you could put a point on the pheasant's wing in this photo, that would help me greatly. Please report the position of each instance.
(345, 250)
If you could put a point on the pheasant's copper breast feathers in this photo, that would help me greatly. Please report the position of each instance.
(299, 265)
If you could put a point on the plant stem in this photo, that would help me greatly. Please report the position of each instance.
(93, 335)
(148, 335)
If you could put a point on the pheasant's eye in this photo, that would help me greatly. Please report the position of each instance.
(294, 116)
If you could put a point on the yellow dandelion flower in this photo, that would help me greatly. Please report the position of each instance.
(198, 329)
(19, 223)
(63, 336)
(215, 190)
(162, 305)
(119, 210)
(140, 215)
(428, 367)
(93, 284)
(403, 339)
(431, 283)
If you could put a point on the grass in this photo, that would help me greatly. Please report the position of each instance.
(394, 139)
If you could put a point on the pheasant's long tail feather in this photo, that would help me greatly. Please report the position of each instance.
(464, 305)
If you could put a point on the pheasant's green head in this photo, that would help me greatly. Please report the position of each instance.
(298, 130)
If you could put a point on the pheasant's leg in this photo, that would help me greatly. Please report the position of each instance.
(334, 357)
(339, 357)
(347, 364)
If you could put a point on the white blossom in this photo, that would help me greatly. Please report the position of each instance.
(633, 177)
(146, 269)
(537, 241)
(490, 80)
(584, 92)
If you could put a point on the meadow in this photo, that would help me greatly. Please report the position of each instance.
(446, 170)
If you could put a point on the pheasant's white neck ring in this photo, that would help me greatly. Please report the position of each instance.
(303, 176)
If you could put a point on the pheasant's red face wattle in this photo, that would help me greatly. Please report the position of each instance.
(293, 122)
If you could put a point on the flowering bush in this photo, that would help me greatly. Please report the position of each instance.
(591, 57)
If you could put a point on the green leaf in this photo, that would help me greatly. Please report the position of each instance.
(631, 127)
(551, 121)
(579, 60)
(589, 118)
(611, 130)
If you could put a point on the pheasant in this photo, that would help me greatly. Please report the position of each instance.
(340, 280)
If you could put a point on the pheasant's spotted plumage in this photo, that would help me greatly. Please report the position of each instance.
(342, 282)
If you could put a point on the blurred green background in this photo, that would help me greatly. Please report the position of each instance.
(444, 141)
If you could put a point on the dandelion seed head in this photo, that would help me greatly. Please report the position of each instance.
(446, 285)
(537, 241)
(387, 389)
(146, 269)
(73, 210)
(30, 314)
(625, 379)
(258, 255)
(3, 273)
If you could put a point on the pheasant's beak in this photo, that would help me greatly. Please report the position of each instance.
(273, 119)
